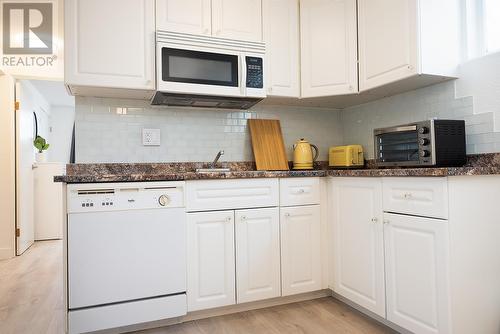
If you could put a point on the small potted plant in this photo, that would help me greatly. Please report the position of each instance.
(41, 145)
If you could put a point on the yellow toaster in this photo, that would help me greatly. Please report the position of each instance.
(346, 156)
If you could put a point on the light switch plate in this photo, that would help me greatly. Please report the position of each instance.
(151, 137)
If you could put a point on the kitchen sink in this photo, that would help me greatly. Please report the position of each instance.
(212, 170)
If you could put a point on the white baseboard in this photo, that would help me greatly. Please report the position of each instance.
(370, 314)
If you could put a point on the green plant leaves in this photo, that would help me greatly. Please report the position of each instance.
(40, 144)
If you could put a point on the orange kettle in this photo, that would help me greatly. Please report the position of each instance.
(303, 157)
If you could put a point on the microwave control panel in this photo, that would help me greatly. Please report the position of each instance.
(255, 73)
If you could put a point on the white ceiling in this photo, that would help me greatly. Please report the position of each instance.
(54, 92)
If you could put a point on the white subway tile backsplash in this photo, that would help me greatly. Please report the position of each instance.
(110, 130)
(434, 102)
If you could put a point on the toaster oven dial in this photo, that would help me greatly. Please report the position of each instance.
(423, 130)
(424, 153)
(424, 141)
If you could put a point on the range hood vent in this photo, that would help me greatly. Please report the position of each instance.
(203, 101)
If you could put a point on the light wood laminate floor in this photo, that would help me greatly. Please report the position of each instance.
(31, 301)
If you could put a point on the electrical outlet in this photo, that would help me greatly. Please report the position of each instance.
(151, 137)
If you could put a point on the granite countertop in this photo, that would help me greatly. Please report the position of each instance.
(483, 164)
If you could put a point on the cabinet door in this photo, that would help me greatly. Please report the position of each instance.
(328, 47)
(257, 254)
(300, 249)
(358, 238)
(110, 43)
(387, 41)
(211, 263)
(416, 257)
(281, 34)
(185, 16)
(237, 19)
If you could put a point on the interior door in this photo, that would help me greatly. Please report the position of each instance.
(25, 159)
(359, 242)
(7, 167)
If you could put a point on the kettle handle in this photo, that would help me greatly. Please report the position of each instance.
(317, 152)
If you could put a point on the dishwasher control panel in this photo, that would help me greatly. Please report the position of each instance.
(125, 196)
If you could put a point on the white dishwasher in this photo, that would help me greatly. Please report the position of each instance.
(126, 253)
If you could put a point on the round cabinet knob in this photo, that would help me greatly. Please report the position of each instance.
(374, 220)
(423, 130)
(164, 200)
(301, 191)
(424, 153)
(424, 141)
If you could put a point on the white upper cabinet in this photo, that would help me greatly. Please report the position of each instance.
(328, 47)
(281, 34)
(110, 43)
(359, 242)
(300, 249)
(416, 257)
(257, 254)
(211, 261)
(237, 19)
(186, 16)
(399, 39)
(387, 41)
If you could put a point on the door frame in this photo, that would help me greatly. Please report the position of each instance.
(8, 214)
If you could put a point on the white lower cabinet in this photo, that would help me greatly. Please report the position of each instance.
(233, 257)
(211, 261)
(257, 254)
(416, 259)
(300, 249)
(359, 242)
(394, 265)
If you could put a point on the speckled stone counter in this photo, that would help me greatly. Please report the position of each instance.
(483, 164)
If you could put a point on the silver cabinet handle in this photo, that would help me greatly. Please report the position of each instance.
(386, 221)
(243, 217)
(287, 215)
(408, 195)
(301, 191)
(374, 220)
(228, 219)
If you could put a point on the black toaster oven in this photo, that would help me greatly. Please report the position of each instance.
(427, 143)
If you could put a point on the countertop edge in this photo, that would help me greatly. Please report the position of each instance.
(187, 176)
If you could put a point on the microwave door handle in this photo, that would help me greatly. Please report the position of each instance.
(243, 71)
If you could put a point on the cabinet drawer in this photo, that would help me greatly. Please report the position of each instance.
(427, 197)
(299, 191)
(231, 194)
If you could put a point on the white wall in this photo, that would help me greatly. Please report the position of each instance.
(62, 120)
(7, 168)
(105, 134)
(475, 98)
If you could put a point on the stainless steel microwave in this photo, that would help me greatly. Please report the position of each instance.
(205, 71)
(427, 143)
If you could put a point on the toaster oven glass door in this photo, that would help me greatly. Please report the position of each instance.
(400, 146)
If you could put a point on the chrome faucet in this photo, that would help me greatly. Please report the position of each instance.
(217, 157)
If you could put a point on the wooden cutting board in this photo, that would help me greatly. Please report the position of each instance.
(267, 143)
